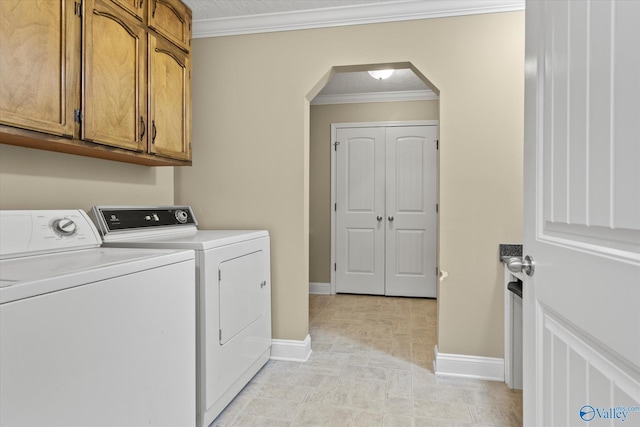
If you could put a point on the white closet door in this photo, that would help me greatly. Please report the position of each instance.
(411, 217)
(360, 202)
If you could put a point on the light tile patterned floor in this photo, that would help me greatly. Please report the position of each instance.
(372, 365)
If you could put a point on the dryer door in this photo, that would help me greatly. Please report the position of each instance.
(242, 289)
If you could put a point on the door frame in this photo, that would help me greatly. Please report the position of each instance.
(334, 130)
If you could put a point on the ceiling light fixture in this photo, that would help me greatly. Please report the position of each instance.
(381, 74)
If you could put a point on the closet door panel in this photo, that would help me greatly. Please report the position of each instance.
(411, 194)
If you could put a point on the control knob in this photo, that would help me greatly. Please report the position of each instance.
(65, 226)
(181, 216)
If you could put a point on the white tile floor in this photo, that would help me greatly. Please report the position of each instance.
(372, 365)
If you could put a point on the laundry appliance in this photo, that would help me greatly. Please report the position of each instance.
(233, 292)
(92, 336)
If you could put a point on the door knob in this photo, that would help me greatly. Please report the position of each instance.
(379, 218)
(390, 218)
(526, 265)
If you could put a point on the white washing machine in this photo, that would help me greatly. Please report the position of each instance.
(234, 293)
(92, 336)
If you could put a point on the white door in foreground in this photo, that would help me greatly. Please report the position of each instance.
(582, 213)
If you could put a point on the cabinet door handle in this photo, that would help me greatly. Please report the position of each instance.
(143, 125)
(390, 219)
(141, 2)
(155, 5)
(155, 131)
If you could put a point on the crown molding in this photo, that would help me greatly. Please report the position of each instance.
(357, 98)
(350, 15)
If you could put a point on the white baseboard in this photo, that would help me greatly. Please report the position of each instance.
(291, 350)
(317, 288)
(485, 368)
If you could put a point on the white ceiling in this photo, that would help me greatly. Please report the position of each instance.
(214, 18)
(350, 87)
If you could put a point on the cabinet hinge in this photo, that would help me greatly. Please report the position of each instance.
(436, 271)
(335, 207)
(77, 116)
(335, 267)
(77, 8)
(437, 208)
(219, 275)
(437, 144)
(220, 334)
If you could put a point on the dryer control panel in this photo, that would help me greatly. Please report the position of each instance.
(111, 219)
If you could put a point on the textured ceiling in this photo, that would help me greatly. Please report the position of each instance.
(211, 9)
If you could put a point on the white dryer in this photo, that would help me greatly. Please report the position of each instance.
(234, 293)
(92, 336)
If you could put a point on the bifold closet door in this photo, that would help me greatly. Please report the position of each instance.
(360, 194)
(411, 195)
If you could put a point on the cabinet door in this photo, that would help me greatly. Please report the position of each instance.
(114, 97)
(172, 19)
(39, 65)
(134, 7)
(169, 100)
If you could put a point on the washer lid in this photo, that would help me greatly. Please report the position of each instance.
(36, 275)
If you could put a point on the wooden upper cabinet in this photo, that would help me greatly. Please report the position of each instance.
(39, 65)
(169, 100)
(114, 78)
(171, 19)
(100, 78)
(134, 7)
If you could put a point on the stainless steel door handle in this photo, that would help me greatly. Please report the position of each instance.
(379, 218)
(390, 219)
(526, 265)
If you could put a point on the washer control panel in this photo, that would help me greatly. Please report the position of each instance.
(43, 231)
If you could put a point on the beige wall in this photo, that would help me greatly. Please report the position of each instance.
(322, 116)
(251, 148)
(37, 179)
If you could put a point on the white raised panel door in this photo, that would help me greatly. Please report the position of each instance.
(360, 177)
(411, 171)
(582, 213)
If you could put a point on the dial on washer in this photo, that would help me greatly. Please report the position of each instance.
(65, 226)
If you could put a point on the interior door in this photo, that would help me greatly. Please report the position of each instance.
(386, 218)
(411, 194)
(582, 213)
(360, 193)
